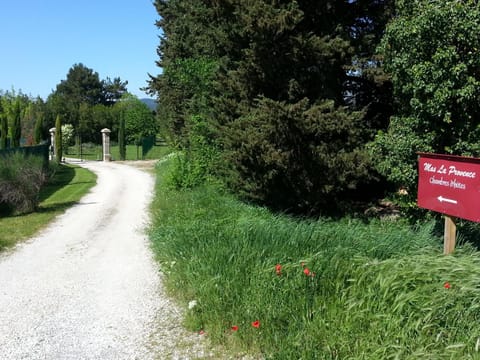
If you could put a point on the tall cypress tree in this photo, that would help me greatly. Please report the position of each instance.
(38, 130)
(16, 124)
(58, 139)
(121, 136)
(3, 128)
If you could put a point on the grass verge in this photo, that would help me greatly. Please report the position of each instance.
(68, 184)
(132, 152)
(291, 289)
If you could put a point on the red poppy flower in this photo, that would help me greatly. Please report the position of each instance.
(278, 269)
(234, 328)
(256, 324)
(306, 271)
(447, 285)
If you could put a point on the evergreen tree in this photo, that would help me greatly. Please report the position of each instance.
(3, 131)
(58, 139)
(82, 96)
(241, 66)
(16, 124)
(38, 131)
(3, 127)
(299, 63)
(121, 137)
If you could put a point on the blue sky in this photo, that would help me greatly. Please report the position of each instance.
(42, 39)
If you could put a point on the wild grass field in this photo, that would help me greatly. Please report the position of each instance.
(288, 288)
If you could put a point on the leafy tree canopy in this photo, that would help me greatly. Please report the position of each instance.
(139, 119)
(431, 49)
(83, 99)
(82, 85)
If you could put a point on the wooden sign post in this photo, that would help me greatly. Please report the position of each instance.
(449, 185)
(449, 235)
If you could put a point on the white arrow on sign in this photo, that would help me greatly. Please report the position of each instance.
(442, 199)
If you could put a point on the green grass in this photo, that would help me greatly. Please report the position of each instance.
(94, 152)
(377, 293)
(64, 189)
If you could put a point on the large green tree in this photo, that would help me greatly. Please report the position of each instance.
(82, 85)
(83, 100)
(431, 49)
(3, 127)
(139, 120)
(291, 72)
(16, 127)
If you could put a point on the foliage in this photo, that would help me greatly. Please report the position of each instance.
(58, 139)
(121, 138)
(18, 117)
(431, 50)
(139, 119)
(234, 64)
(190, 79)
(83, 85)
(66, 184)
(199, 161)
(39, 131)
(21, 178)
(68, 134)
(16, 129)
(113, 90)
(311, 155)
(380, 289)
(3, 128)
(85, 101)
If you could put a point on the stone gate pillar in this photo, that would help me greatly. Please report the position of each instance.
(106, 144)
(52, 143)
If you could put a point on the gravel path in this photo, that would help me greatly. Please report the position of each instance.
(87, 287)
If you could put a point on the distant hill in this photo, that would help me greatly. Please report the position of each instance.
(151, 103)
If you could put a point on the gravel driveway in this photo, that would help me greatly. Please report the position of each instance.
(87, 287)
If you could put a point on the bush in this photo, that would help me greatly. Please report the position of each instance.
(21, 178)
(431, 51)
(298, 157)
(200, 159)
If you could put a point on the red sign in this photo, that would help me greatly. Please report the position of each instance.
(450, 185)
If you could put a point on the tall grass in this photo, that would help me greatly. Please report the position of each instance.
(65, 187)
(21, 178)
(377, 290)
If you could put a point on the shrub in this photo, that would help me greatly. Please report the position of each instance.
(21, 178)
(200, 159)
(299, 157)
